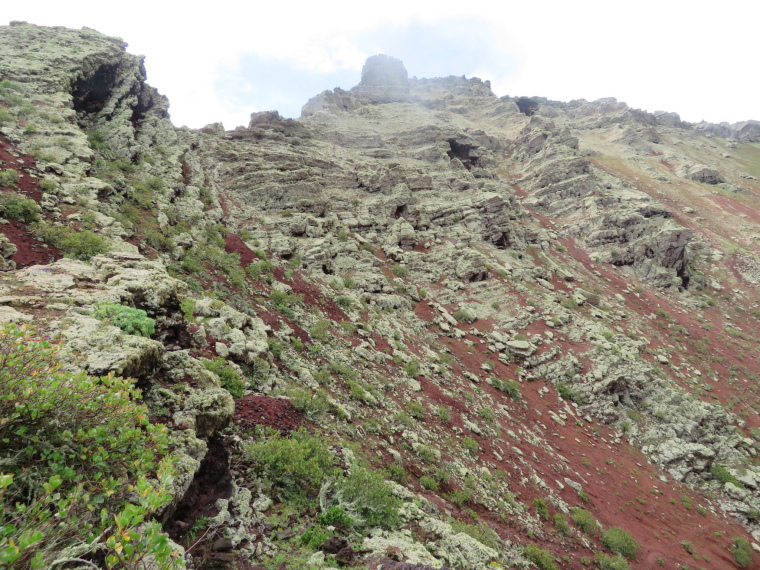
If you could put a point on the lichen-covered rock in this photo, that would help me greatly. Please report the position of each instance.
(206, 411)
(7, 249)
(107, 348)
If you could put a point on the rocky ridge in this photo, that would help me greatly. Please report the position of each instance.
(523, 307)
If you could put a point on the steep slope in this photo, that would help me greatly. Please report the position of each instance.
(514, 331)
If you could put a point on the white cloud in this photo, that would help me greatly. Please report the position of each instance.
(695, 59)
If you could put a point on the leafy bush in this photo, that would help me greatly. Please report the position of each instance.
(429, 483)
(541, 508)
(284, 302)
(8, 178)
(320, 330)
(541, 558)
(724, 475)
(400, 271)
(481, 532)
(78, 445)
(560, 523)
(510, 387)
(315, 537)
(464, 316)
(584, 520)
(294, 466)
(366, 493)
(742, 552)
(131, 321)
(20, 208)
(471, 445)
(620, 542)
(412, 369)
(569, 393)
(605, 562)
(335, 516)
(78, 245)
(229, 376)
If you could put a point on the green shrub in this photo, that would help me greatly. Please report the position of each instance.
(742, 552)
(541, 558)
(561, 524)
(620, 542)
(724, 475)
(228, 375)
(400, 271)
(78, 445)
(541, 508)
(336, 516)
(429, 483)
(616, 562)
(443, 414)
(344, 302)
(412, 369)
(20, 208)
(131, 321)
(464, 316)
(470, 445)
(415, 409)
(276, 348)
(481, 532)
(8, 178)
(569, 393)
(294, 466)
(510, 387)
(258, 268)
(320, 330)
(584, 520)
(315, 537)
(78, 245)
(366, 493)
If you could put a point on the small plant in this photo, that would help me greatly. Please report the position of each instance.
(400, 271)
(315, 537)
(569, 393)
(443, 414)
(486, 413)
(228, 375)
(480, 532)
(688, 546)
(294, 466)
(510, 387)
(542, 510)
(605, 562)
(20, 208)
(78, 245)
(320, 330)
(470, 445)
(742, 552)
(415, 409)
(541, 558)
(131, 321)
(8, 178)
(584, 520)
(429, 483)
(561, 524)
(724, 475)
(336, 516)
(464, 316)
(412, 369)
(620, 542)
(368, 495)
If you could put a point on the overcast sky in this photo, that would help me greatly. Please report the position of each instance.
(224, 60)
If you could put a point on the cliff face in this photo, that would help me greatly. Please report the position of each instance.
(540, 318)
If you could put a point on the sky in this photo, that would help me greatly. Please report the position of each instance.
(223, 60)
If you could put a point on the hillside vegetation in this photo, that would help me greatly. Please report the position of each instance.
(420, 327)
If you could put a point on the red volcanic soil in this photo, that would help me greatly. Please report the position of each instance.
(30, 250)
(276, 413)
